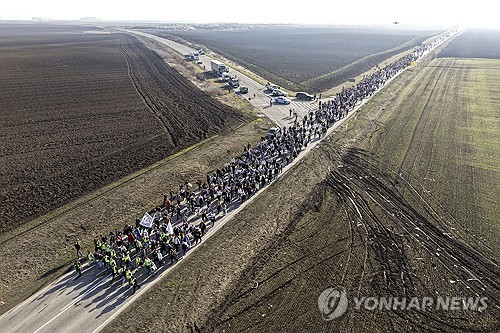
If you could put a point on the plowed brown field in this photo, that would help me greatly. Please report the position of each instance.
(80, 109)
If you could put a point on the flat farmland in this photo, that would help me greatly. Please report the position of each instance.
(474, 43)
(81, 108)
(301, 58)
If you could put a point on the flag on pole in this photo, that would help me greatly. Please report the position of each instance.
(170, 230)
(146, 221)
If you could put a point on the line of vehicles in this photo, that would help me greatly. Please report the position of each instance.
(219, 69)
(280, 96)
(194, 56)
(222, 71)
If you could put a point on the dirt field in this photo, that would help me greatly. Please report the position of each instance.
(357, 213)
(81, 110)
(474, 43)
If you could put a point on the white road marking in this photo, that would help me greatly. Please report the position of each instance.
(79, 298)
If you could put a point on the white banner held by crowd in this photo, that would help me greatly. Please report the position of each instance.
(147, 221)
(170, 230)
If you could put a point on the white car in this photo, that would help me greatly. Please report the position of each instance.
(278, 92)
(282, 100)
(271, 87)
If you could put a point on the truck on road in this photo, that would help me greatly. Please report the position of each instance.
(218, 67)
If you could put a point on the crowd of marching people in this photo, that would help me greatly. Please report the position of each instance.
(181, 221)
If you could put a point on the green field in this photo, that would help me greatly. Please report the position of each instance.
(443, 134)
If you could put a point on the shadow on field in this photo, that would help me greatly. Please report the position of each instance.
(52, 271)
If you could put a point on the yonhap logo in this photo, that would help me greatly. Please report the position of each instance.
(332, 303)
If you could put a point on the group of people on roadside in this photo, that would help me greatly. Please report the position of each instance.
(186, 215)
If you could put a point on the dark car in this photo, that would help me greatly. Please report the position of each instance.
(272, 132)
(304, 95)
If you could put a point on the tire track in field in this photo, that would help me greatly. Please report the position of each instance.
(437, 208)
(285, 276)
(133, 78)
(401, 201)
(421, 119)
(360, 213)
(362, 180)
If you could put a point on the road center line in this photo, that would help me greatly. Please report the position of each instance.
(76, 300)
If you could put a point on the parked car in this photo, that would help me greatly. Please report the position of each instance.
(282, 100)
(278, 92)
(234, 82)
(243, 90)
(271, 87)
(304, 95)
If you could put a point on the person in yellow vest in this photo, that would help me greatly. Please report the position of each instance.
(106, 261)
(126, 260)
(138, 262)
(112, 262)
(90, 258)
(78, 267)
(114, 271)
(128, 276)
(147, 264)
(145, 240)
(123, 271)
(97, 243)
(133, 282)
(138, 245)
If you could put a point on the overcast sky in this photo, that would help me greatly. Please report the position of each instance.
(479, 13)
